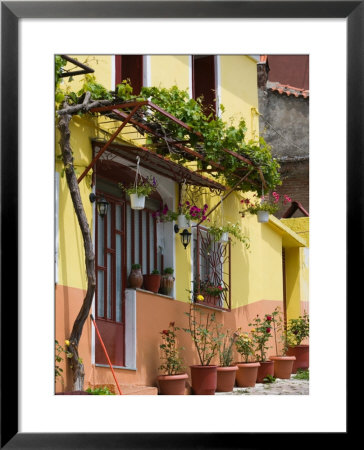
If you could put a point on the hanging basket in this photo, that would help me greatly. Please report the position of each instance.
(182, 221)
(263, 216)
(224, 237)
(137, 202)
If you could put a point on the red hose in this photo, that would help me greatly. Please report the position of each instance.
(107, 356)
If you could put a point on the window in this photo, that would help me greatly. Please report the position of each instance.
(129, 66)
(211, 270)
(204, 81)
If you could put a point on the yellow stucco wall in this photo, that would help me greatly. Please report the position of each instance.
(297, 263)
(102, 65)
(239, 93)
(170, 70)
(300, 225)
(71, 257)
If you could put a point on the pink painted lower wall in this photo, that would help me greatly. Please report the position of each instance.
(153, 314)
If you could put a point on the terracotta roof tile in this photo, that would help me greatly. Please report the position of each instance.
(287, 89)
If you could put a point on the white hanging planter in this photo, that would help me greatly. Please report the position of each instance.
(263, 216)
(137, 202)
(224, 237)
(182, 221)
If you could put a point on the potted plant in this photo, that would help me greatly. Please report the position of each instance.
(226, 371)
(173, 379)
(135, 278)
(167, 281)
(265, 206)
(202, 331)
(221, 234)
(152, 281)
(212, 294)
(247, 373)
(297, 331)
(261, 335)
(137, 192)
(165, 214)
(283, 364)
(189, 212)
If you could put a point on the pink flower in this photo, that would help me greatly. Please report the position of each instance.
(286, 199)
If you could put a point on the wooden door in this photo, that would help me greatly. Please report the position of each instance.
(111, 282)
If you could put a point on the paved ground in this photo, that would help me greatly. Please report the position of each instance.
(279, 387)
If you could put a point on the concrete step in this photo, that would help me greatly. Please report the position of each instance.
(131, 389)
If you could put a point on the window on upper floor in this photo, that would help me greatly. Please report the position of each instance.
(130, 66)
(204, 80)
(211, 265)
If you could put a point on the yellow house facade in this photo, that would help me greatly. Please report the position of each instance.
(271, 272)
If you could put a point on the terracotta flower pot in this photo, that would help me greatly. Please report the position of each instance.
(226, 378)
(265, 368)
(203, 380)
(247, 373)
(167, 283)
(152, 282)
(172, 384)
(135, 278)
(283, 366)
(301, 352)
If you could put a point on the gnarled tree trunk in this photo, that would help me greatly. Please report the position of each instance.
(75, 362)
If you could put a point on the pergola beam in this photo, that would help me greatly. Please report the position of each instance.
(95, 159)
(116, 109)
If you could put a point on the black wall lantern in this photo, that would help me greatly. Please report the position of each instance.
(185, 238)
(101, 204)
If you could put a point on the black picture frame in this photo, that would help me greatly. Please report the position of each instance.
(11, 12)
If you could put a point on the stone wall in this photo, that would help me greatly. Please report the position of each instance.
(284, 124)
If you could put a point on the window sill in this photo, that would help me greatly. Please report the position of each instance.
(153, 293)
(116, 367)
(207, 306)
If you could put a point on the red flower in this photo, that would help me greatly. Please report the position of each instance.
(269, 318)
(166, 332)
(219, 288)
(267, 330)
